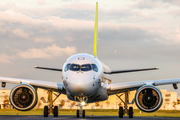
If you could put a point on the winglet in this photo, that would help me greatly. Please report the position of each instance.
(96, 32)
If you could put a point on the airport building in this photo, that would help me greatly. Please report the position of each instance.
(170, 101)
(4, 98)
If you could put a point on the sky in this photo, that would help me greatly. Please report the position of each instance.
(145, 33)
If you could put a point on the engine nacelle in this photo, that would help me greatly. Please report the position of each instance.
(23, 97)
(148, 98)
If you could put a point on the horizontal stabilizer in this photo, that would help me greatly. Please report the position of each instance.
(130, 70)
(47, 68)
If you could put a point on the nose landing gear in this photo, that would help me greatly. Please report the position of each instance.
(126, 102)
(81, 112)
(82, 100)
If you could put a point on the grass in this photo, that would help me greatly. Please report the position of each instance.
(96, 112)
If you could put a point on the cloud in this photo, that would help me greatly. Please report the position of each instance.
(175, 12)
(139, 42)
(43, 34)
(172, 2)
(42, 40)
(148, 4)
(47, 53)
(69, 24)
(44, 24)
(20, 33)
(2, 30)
(41, 2)
(5, 58)
(80, 6)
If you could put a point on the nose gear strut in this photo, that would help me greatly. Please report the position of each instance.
(82, 102)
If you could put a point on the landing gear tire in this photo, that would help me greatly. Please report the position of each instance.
(121, 112)
(77, 114)
(56, 111)
(83, 115)
(130, 112)
(45, 111)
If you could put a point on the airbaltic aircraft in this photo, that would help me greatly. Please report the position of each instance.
(86, 80)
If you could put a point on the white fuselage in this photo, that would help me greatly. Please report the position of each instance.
(83, 74)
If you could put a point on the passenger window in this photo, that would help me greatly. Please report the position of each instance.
(75, 67)
(94, 67)
(67, 67)
(86, 67)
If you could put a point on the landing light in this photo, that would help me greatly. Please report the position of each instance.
(82, 103)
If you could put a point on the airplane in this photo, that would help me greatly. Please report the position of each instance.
(86, 80)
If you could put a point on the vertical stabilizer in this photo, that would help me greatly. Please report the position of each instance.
(96, 32)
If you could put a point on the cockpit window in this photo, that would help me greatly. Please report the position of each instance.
(86, 67)
(75, 67)
(94, 67)
(67, 67)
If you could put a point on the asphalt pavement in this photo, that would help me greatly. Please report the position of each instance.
(40, 117)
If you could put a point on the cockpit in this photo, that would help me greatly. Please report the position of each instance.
(84, 67)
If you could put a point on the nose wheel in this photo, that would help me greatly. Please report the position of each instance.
(80, 113)
(82, 102)
(77, 113)
(83, 115)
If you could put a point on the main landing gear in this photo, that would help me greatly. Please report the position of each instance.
(52, 109)
(82, 100)
(126, 102)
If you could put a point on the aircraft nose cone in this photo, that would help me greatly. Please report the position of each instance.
(79, 88)
(81, 82)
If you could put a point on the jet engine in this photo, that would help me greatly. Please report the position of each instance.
(23, 97)
(148, 98)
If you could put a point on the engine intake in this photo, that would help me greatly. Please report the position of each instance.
(148, 98)
(23, 97)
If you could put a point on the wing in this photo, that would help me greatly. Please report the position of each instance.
(130, 70)
(114, 88)
(36, 83)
